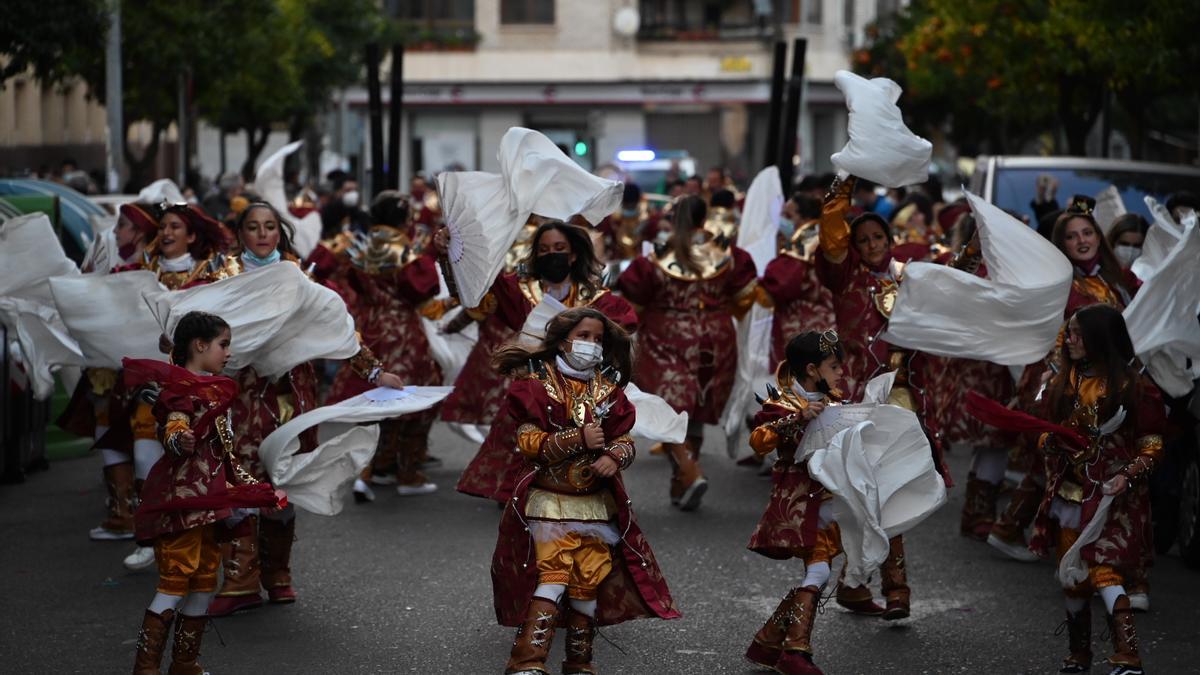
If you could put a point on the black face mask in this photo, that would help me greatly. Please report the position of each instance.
(553, 267)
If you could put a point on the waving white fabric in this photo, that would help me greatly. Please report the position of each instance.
(317, 481)
(268, 182)
(1072, 570)
(105, 315)
(881, 474)
(161, 190)
(1161, 238)
(449, 350)
(881, 148)
(757, 236)
(279, 318)
(30, 255)
(1011, 318)
(1162, 317)
(534, 329)
(102, 254)
(45, 344)
(484, 212)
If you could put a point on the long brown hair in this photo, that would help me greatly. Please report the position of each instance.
(688, 216)
(1110, 269)
(1109, 354)
(587, 271)
(287, 233)
(513, 358)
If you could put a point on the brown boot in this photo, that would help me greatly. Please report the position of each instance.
(767, 646)
(275, 539)
(857, 599)
(118, 479)
(688, 483)
(797, 644)
(581, 630)
(1079, 639)
(894, 581)
(152, 641)
(979, 508)
(189, 631)
(240, 563)
(1124, 637)
(1008, 532)
(534, 637)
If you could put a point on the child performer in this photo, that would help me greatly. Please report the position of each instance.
(1100, 394)
(798, 520)
(568, 529)
(191, 492)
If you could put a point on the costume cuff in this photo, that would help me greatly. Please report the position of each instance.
(621, 451)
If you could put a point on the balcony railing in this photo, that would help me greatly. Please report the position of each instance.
(702, 20)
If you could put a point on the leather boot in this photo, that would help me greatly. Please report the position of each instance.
(767, 646)
(857, 599)
(1008, 532)
(1137, 587)
(1124, 638)
(1079, 640)
(979, 508)
(797, 644)
(152, 641)
(894, 581)
(688, 483)
(534, 637)
(189, 631)
(118, 479)
(581, 631)
(275, 539)
(240, 563)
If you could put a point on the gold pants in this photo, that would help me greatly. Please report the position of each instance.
(827, 547)
(580, 563)
(1099, 576)
(188, 561)
(142, 422)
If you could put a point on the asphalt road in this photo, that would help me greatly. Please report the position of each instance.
(402, 585)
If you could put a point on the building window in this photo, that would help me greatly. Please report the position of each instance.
(886, 8)
(527, 12)
(848, 13)
(813, 12)
(435, 14)
(704, 20)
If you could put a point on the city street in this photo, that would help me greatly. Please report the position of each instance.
(402, 585)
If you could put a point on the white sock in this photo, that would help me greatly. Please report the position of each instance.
(162, 602)
(196, 604)
(989, 464)
(100, 431)
(586, 607)
(114, 457)
(816, 575)
(146, 452)
(1075, 605)
(1110, 595)
(551, 592)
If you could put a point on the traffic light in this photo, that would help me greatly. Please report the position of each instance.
(581, 148)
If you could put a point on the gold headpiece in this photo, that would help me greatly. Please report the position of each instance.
(828, 342)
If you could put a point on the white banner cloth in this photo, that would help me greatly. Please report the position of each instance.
(317, 481)
(881, 148)
(1012, 318)
(107, 317)
(485, 211)
(278, 316)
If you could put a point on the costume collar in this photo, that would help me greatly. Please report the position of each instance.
(183, 263)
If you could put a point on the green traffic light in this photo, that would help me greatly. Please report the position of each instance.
(581, 148)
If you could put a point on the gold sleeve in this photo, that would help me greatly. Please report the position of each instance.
(744, 300)
(101, 379)
(485, 308)
(763, 440)
(621, 451)
(834, 232)
(530, 439)
(1150, 451)
(763, 297)
(177, 423)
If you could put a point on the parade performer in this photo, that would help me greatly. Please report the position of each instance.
(688, 292)
(798, 521)
(393, 278)
(192, 493)
(99, 394)
(1098, 279)
(856, 264)
(261, 556)
(570, 515)
(790, 284)
(562, 264)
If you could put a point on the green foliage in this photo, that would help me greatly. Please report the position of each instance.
(49, 36)
(1003, 71)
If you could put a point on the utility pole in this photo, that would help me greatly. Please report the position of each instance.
(113, 107)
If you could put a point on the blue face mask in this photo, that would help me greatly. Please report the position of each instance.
(787, 228)
(260, 261)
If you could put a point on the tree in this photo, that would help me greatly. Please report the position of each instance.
(50, 37)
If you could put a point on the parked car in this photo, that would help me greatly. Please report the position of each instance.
(1010, 182)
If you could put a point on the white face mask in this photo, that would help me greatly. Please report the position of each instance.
(1127, 254)
(350, 198)
(584, 355)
